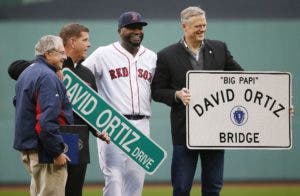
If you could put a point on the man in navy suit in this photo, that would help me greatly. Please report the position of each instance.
(192, 52)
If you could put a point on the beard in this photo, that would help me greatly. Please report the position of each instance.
(133, 39)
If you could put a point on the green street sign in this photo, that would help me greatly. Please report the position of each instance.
(103, 117)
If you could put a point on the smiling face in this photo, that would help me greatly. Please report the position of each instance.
(194, 29)
(56, 57)
(132, 35)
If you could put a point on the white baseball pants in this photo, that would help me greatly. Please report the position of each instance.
(123, 177)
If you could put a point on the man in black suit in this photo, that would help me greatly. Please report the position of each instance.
(193, 52)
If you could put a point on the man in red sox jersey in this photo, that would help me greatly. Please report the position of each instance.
(123, 72)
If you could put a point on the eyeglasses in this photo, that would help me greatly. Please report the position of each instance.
(60, 52)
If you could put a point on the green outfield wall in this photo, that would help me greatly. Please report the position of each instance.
(258, 45)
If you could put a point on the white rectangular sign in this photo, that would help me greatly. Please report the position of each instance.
(239, 110)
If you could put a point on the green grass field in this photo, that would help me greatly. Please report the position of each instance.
(164, 190)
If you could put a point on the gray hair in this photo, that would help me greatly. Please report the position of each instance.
(47, 43)
(189, 12)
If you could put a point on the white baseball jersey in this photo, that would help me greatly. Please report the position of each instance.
(123, 80)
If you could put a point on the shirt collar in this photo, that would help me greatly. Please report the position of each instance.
(41, 58)
(120, 48)
(186, 46)
(194, 54)
(70, 64)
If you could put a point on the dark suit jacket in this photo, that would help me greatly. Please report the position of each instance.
(173, 62)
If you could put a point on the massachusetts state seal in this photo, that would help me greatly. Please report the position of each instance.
(239, 115)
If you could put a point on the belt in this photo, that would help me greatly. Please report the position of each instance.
(136, 117)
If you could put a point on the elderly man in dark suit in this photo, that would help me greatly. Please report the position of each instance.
(193, 52)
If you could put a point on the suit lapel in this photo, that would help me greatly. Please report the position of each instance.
(186, 54)
(208, 56)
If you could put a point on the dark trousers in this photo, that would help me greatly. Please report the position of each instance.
(75, 180)
(184, 163)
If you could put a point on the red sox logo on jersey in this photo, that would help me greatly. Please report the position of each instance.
(123, 72)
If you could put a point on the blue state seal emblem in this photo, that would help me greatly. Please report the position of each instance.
(239, 115)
